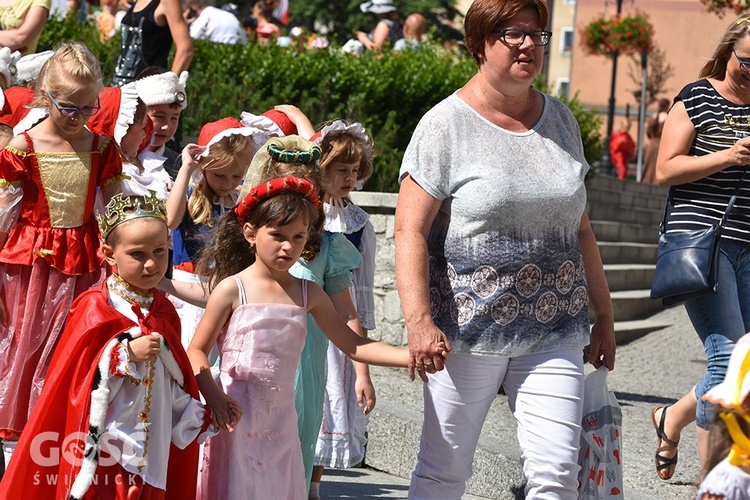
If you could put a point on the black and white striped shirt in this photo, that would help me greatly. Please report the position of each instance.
(718, 123)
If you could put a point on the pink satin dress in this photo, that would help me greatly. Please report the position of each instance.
(262, 459)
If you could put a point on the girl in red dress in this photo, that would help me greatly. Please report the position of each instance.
(49, 240)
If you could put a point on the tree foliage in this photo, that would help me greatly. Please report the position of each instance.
(388, 92)
(340, 20)
(659, 71)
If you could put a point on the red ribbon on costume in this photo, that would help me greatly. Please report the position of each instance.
(274, 187)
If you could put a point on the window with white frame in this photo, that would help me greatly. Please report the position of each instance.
(563, 87)
(566, 41)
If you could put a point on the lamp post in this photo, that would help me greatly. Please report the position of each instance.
(605, 164)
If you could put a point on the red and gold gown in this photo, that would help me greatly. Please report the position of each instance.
(50, 257)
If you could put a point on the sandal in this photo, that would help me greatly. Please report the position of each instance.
(664, 465)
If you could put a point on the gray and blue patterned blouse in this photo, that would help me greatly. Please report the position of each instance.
(506, 272)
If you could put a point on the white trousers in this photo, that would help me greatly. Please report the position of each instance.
(545, 394)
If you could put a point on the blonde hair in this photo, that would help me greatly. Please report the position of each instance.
(716, 67)
(72, 67)
(233, 150)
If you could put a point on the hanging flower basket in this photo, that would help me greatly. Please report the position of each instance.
(628, 34)
(721, 7)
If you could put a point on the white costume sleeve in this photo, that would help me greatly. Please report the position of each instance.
(188, 419)
(364, 279)
(10, 206)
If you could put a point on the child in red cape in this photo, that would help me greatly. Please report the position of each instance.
(119, 415)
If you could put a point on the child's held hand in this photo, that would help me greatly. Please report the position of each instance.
(226, 411)
(144, 348)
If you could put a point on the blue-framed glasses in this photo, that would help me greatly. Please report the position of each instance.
(744, 63)
(73, 111)
(513, 36)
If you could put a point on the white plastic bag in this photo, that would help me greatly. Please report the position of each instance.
(601, 439)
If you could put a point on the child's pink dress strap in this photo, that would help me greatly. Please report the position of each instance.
(241, 289)
(304, 293)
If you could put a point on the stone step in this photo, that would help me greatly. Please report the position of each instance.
(631, 215)
(612, 183)
(622, 253)
(629, 276)
(634, 304)
(626, 331)
(606, 230)
(626, 199)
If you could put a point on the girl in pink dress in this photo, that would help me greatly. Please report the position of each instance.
(258, 319)
(49, 238)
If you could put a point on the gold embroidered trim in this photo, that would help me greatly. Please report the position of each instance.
(148, 382)
(129, 293)
(4, 184)
(44, 252)
(116, 178)
(16, 151)
(104, 143)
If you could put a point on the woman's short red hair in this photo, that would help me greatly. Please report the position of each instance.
(485, 16)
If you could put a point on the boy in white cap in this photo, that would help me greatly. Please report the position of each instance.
(164, 94)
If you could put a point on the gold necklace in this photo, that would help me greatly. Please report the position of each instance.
(130, 293)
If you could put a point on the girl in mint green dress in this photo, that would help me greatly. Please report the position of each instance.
(331, 270)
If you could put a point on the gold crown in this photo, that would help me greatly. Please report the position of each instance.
(124, 208)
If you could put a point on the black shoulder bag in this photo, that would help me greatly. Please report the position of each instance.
(687, 264)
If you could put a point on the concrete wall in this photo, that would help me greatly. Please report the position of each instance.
(388, 315)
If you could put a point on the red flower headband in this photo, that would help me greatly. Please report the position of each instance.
(274, 187)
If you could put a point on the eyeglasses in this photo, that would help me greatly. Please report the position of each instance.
(73, 111)
(744, 63)
(514, 36)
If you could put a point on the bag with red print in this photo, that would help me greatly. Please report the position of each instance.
(600, 454)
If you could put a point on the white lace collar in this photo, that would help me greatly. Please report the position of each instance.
(344, 218)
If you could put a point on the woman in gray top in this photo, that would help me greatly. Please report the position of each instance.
(495, 256)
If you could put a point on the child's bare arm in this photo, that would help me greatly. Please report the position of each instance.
(192, 293)
(221, 303)
(305, 129)
(351, 344)
(177, 200)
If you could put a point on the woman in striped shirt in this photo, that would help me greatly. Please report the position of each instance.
(703, 155)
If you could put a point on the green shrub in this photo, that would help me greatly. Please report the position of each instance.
(388, 93)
